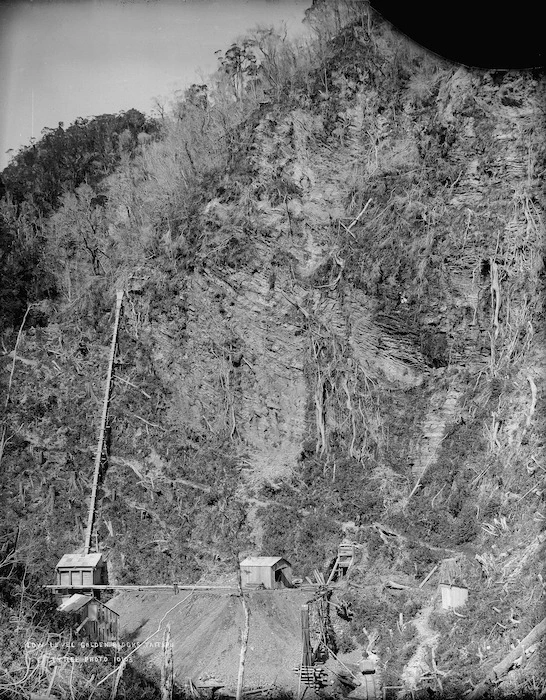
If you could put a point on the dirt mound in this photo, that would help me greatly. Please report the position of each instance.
(206, 632)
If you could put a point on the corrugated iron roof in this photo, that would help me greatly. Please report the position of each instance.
(263, 561)
(75, 602)
(77, 560)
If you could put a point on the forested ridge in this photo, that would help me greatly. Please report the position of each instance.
(32, 187)
(332, 257)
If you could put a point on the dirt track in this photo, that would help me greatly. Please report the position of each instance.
(206, 630)
(428, 639)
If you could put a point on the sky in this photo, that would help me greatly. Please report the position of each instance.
(63, 59)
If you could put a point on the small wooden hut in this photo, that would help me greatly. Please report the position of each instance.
(93, 620)
(269, 572)
(453, 596)
(80, 570)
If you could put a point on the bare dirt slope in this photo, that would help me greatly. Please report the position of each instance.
(206, 631)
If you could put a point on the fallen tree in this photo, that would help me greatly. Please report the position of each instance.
(500, 669)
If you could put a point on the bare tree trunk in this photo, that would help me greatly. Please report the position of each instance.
(3, 439)
(167, 667)
(119, 674)
(244, 642)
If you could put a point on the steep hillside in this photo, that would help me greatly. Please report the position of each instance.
(333, 322)
(205, 633)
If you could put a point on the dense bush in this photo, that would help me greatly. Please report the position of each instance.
(62, 159)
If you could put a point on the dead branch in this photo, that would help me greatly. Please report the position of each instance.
(533, 400)
(355, 221)
(25, 361)
(147, 422)
(126, 381)
(138, 468)
(3, 439)
(14, 354)
(495, 295)
(388, 535)
(428, 576)
(397, 586)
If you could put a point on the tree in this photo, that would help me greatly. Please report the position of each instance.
(87, 151)
(26, 278)
(239, 63)
(79, 240)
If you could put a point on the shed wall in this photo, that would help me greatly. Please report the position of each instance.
(453, 596)
(254, 575)
(100, 624)
(79, 576)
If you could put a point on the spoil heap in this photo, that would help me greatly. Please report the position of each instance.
(206, 632)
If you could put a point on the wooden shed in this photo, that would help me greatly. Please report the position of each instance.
(80, 570)
(271, 572)
(453, 596)
(92, 619)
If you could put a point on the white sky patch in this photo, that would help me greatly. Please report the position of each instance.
(80, 58)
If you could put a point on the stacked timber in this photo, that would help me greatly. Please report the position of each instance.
(315, 677)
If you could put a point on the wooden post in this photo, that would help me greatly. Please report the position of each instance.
(333, 572)
(100, 446)
(307, 657)
(117, 679)
(244, 642)
(167, 667)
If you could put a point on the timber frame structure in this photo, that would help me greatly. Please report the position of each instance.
(100, 447)
(345, 559)
(80, 576)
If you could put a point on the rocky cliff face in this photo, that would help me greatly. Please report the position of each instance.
(346, 325)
